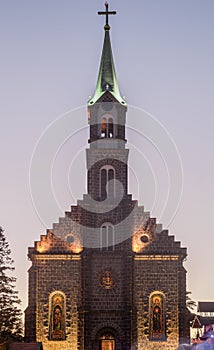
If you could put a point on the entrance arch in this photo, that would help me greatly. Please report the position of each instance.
(107, 336)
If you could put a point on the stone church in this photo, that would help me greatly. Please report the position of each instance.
(107, 276)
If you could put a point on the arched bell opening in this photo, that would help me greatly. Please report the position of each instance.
(107, 127)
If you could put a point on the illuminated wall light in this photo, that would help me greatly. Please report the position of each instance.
(139, 241)
(135, 246)
(42, 247)
(73, 243)
(77, 248)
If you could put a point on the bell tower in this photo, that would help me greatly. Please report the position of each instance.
(107, 265)
(107, 157)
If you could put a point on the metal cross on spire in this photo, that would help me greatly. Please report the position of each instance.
(107, 13)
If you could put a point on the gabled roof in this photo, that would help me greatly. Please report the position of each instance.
(107, 80)
(200, 321)
(206, 306)
(196, 322)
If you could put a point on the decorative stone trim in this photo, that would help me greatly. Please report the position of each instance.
(156, 257)
(55, 257)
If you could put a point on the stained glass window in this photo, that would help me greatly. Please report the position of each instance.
(57, 317)
(157, 316)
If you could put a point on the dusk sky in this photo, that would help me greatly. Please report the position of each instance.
(164, 57)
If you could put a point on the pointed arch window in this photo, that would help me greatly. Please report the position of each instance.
(107, 173)
(157, 317)
(107, 127)
(57, 328)
(107, 237)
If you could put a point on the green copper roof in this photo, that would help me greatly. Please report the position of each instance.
(107, 80)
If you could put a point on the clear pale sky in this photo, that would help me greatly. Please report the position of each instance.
(164, 56)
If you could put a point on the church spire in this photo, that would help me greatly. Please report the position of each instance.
(107, 80)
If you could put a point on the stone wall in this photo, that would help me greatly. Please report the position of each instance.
(156, 274)
(62, 273)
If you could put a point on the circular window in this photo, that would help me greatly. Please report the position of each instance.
(144, 239)
(70, 239)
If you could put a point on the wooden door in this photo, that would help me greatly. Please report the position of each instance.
(107, 344)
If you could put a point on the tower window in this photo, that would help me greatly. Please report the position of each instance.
(107, 127)
(107, 237)
(107, 174)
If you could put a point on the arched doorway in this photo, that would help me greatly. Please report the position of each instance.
(107, 341)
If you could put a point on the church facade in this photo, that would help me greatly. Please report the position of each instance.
(107, 276)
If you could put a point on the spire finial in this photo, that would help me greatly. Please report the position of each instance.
(107, 13)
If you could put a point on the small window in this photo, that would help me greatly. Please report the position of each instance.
(70, 239)
(103, 183)
(144, 238)
(107, 237)
(107, 174)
